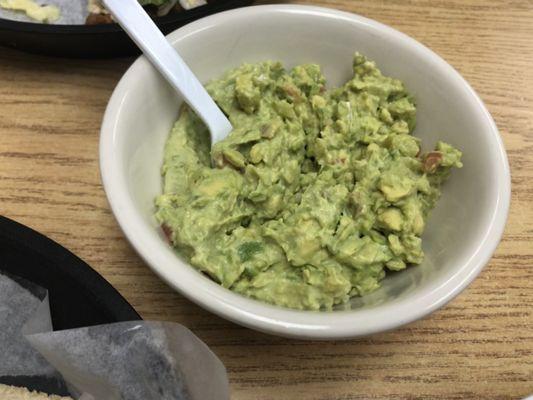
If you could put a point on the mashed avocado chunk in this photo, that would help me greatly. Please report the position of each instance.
(314, 195)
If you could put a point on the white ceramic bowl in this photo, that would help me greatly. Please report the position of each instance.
(463, 231)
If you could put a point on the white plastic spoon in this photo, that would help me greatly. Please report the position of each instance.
(140, 27)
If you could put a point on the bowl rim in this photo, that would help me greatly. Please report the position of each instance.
(276, 320)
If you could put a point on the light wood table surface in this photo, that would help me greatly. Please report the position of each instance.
(480, 346)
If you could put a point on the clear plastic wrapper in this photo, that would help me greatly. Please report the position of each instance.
(135, 361)
(120, 361)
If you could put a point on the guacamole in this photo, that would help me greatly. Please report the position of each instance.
(314, 195)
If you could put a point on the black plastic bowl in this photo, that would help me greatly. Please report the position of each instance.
(95, 41)
(78, 295)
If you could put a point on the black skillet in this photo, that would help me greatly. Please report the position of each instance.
(95, 41)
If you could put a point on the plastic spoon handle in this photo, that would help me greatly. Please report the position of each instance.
(140, 27)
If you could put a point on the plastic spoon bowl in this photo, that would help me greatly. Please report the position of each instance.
(141, 29)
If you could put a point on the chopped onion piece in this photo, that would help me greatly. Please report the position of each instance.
(189, 4)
